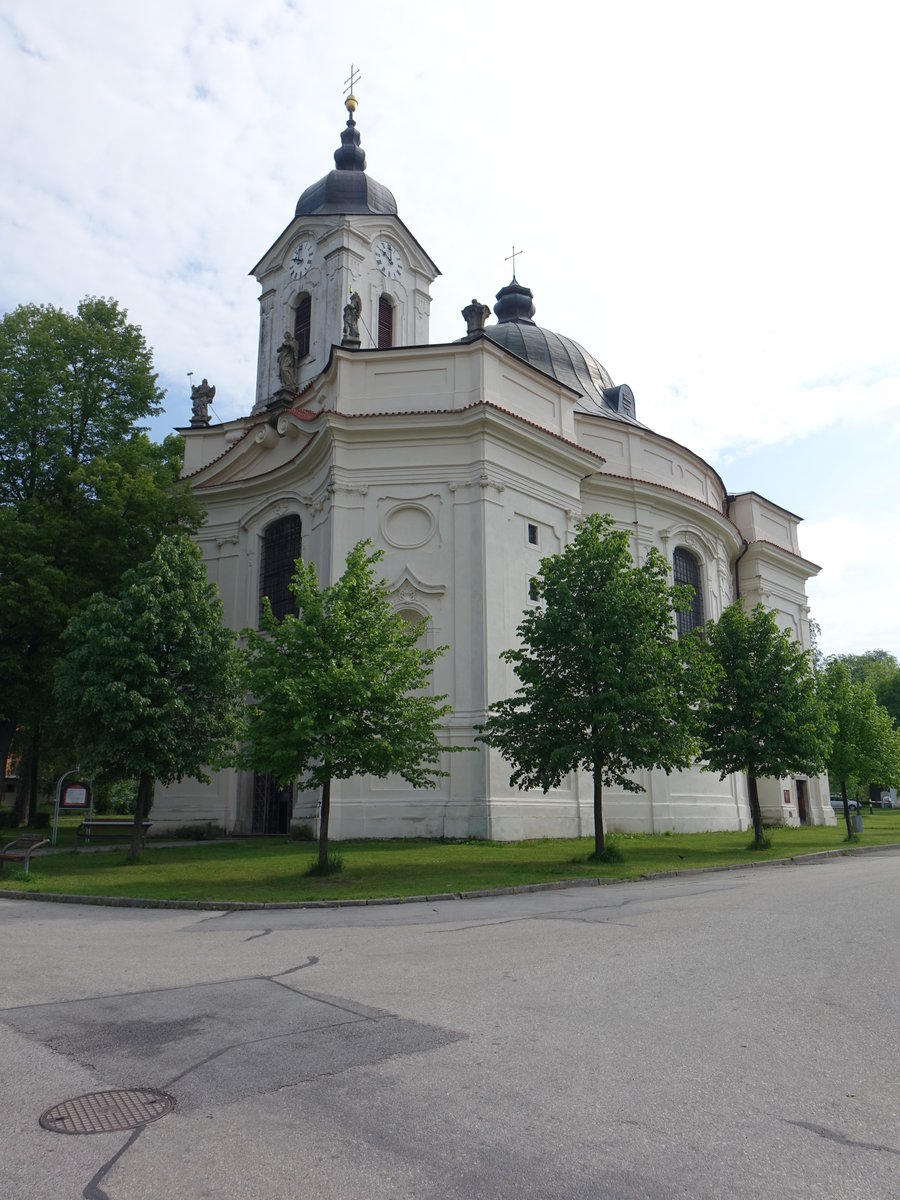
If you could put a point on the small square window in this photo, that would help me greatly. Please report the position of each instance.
(532, 534)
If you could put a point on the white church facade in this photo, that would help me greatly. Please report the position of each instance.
(465, 463)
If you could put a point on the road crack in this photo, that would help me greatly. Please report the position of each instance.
(832, 1135)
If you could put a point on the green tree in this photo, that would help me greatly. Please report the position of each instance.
(84, 494)
(873, 667)
(604, 685)
(150, 680)
(879, 671)
(866, 746)
(762, 716)
(335, 688)
(71, 387)
(888, 696)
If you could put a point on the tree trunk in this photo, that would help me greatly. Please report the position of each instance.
(324, 814)
(142, 807)
(23, 790)
(7, 729)
(27, 789)
(846, 809)
(755, 811)
(598, 808)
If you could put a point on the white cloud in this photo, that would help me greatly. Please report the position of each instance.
(855, 599)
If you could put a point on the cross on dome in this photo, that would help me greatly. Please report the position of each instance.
(512, 256)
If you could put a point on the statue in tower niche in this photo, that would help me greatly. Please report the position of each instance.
(201, 397)
(288, 360)
(352, 311)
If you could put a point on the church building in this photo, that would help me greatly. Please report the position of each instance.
(466, 463)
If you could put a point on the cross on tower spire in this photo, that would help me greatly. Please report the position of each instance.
(352, 80)
(512, 256)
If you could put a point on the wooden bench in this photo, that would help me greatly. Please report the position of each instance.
(108, 827)
(22, 849)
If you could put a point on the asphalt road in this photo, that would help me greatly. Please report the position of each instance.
(725, 1035)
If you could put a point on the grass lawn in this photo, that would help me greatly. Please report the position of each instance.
(272, 869)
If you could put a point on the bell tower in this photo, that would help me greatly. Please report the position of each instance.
(346, 254)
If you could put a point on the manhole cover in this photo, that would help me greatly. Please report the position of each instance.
(108, 1112)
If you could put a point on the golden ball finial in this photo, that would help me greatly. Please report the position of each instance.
(350, 104)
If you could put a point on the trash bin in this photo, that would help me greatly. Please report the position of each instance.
(856, 822)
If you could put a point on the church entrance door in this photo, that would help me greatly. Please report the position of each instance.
(272, 806)
(802, 801)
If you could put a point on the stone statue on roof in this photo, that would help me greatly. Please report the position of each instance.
(288, 360)
(201, 397)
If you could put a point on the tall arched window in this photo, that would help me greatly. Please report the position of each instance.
(385, 323)
(280, 550)
(303, 323)
(686, 568)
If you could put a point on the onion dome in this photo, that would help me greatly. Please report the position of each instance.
(347, 189)
(556, 354)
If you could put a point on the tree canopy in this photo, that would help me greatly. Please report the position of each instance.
(604, 685)
(84, 494)
(149, 685)
(337, 687)
(71, 388)
(762, 715)
(866, 745)
(880, 672)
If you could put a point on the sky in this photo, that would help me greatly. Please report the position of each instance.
(706, 195)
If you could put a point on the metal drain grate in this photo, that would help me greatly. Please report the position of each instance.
(108, 1112)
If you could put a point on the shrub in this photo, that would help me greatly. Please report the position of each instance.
(333, 865)
(204, 832)
(609, 854)
(115, 799)
(763, 843)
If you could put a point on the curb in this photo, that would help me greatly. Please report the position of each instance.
(798, 860)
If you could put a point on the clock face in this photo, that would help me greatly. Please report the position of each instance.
(301, 259)
(388, 260)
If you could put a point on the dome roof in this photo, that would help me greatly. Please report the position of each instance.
(556, 354)
(347, 189)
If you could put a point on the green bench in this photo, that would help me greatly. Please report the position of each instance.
(93, 827)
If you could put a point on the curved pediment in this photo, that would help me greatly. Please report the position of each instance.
(272, 443)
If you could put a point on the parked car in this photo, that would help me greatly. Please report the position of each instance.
(837, 803)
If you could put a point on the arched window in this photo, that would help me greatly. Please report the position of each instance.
(385, 323)
(302, 323)
(280, 550)
(687, 571)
